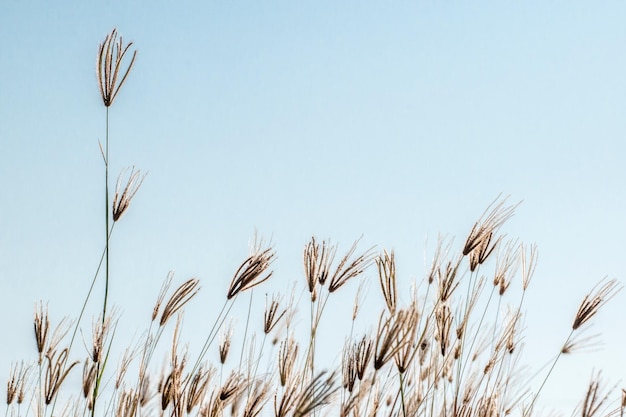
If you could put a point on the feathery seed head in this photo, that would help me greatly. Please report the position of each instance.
(89, 378)
(225, 342)
(316, 394)
(181, 296)
(528, 255)
(42, 327)
(18, 378)
(593, 301)
(392, 335)
(109, 64)
(347, 269)
(443, 319)
(387, 275)
(252, 271)
(123, 197)
(317, 261)
(56, 371)
(287, 355)
(164, 288)
(483, 230)
(582, 343)
(271, 316)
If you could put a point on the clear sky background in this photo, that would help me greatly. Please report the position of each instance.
(392, 120)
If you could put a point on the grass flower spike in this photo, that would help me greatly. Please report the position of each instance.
(251, 272)
(110, 56)
(123, 197)
(593, 301)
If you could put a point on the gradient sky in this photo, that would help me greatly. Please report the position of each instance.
(392, 120)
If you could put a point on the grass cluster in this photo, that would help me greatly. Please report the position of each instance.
(453, 349)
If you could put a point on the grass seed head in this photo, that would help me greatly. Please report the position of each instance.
(271, 316)
(225, 342)
(387, 276)
(123, 197)
(348, 269)
(252, 272)
(109, 66)
(483, 230)
(594, 300)
(57, 370)
(181, 296)
(317, 393)
(42, 327)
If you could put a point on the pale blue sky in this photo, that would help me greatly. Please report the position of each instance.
(391, 120)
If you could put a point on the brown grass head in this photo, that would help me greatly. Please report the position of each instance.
(127, 404)
(271, 316)
(581, 343)
(441, 252)
(234, 385)
(213, 407)
(387, 276)
(364, 351)
(481, 252)
(595, 398)
(127, 358)
(90, 372)
(287, 402)
(60, 331)
(528, 260)
(225, 342)
(252, 272)
(16, 385)
(56, 371)
(594, 300)
(487, 225)
(447, 278)
(197, 388)
(257, 398)
(348, 366)
(317, 393)
(392, 335)
(100, 332)
(42, 327)
(287, 355)
(317, 262)
(123, 197)
(506, 265)
(443, 320)
(359, 297)
(175, 384)
(164, 289)
(109, 66)
(408, 331)
(348, 269)
(181, 296)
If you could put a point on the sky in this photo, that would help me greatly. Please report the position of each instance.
(394, 121)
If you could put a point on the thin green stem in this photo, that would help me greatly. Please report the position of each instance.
(245, 333)
(549, 372)
(93, 282)
(106, 216)
(217, 325)
(99, 371)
